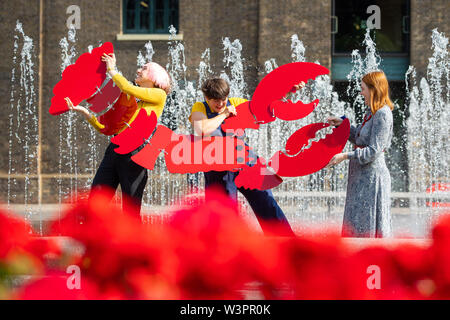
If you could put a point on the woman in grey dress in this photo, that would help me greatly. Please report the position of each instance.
(367, 205)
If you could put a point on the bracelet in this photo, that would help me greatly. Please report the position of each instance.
(110, 69)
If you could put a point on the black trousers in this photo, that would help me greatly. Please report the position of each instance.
(118, 169)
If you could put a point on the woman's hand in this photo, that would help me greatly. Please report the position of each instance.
(232, 110)
(294, 89)
(299, 86)
(334, 121)
(78, 109)
(229, 110)
(110, 61)
(338, 158)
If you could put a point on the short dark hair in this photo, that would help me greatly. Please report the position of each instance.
(216, 88)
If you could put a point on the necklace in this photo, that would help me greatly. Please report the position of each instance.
(366, 118)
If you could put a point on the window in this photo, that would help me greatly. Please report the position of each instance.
(391, 34)
(149, 16)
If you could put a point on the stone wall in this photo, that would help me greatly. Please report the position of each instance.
(279, 20)
(425, 16)
(28, 13)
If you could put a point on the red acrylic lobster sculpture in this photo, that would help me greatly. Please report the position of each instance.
(188, 153)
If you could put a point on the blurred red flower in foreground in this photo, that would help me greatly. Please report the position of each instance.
(17, 238)
(21, 253)
(116, 246)
(217, 253)
(440, 258)
(208, 251)
(53, 286)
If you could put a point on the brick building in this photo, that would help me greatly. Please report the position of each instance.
(264, 28)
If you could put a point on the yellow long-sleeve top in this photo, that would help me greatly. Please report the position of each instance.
(151, 99)
(200, 107)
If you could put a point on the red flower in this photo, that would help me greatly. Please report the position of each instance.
(316, 268)
(114, 242)
(208, 251)
(14, 233)
(211, 243)
(20, 251)
(440, 257)
(54, 286)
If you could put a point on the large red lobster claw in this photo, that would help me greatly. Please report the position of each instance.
(80, 80)
(301, 160)
(266, 103)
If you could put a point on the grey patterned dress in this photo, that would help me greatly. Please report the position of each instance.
(368, 203)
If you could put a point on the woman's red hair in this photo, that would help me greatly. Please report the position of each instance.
(378, 86)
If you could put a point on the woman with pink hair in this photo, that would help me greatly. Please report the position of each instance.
(153, 85)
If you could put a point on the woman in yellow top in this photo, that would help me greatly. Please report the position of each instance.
(153, 85)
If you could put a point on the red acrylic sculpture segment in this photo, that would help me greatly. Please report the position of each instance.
(243, 120)
(134, 136)
(300, 138)
(190, 154)
(81, 79)
(105, 97)
(316, 157)
(292, 111)
(257, 177)
(147, 156)
(276, 84)
(119, 115)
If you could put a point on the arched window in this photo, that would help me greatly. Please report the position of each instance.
(149, 16)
